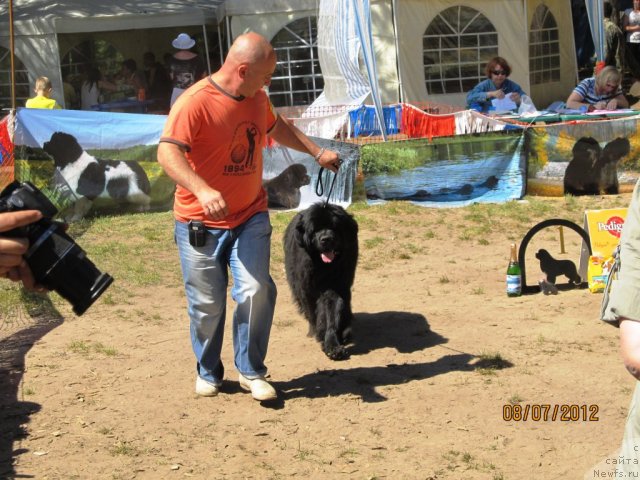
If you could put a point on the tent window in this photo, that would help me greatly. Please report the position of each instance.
(544, 47)
(457, 44)
(298, 78)
(23, 89)
(91, 52)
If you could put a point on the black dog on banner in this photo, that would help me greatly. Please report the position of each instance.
(320, 257)
(283, 190)
(593, 170)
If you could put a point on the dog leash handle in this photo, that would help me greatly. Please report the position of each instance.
(320, 185)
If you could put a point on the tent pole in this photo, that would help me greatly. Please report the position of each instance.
(394, 11)
(11, 57)
(228, 22)
(206, 47)
(220, 48)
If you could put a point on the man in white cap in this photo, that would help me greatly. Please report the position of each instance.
(186, 67)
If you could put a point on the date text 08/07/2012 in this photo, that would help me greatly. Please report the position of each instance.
(550, 412)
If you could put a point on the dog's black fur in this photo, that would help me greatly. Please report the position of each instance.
(321, 253)
(89, 178)
(553, 268)
(592, 170)
(284, 189)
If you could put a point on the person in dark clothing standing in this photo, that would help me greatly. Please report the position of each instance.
(158, 81)
(186, 66)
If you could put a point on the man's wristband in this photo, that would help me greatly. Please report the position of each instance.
(318, 155)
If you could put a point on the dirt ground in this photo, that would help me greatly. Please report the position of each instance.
(439, 350)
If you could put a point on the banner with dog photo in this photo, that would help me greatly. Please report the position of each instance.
(446, 171)
(294, 180)
(92, 161)
(583, 158)
(99, 162)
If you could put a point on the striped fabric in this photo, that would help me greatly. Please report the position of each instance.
(344, 32)
(587, 90)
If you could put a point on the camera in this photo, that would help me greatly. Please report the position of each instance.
(55, 259)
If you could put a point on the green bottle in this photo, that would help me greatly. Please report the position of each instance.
(514, 275)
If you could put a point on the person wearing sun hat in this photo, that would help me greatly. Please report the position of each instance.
(186, 66)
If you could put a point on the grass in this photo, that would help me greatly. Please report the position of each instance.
(123, 448)
(489, 363)
(138, 251)
(82, 347)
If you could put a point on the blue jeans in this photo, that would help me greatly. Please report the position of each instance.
(245, 251)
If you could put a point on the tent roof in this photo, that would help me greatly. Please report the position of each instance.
(46, 17)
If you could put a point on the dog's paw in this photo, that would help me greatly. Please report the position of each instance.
(337, 353)
(346, 336)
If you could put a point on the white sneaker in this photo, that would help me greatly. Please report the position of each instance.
(205, 388)
(260, 389)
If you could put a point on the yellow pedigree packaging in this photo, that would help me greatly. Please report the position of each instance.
(604, 228)
(598, 272)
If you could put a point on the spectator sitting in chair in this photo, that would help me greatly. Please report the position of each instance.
(602, 92)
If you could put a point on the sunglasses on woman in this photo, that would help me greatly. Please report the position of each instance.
(499, 72)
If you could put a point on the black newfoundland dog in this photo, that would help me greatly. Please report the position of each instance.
(321, 253)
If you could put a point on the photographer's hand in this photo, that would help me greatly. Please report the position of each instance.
(12, 265)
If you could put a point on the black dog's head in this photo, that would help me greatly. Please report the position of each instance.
(615, 150)
(586, 151)
(64, 149)
(542, 254)
(327, 232)
(296, 175)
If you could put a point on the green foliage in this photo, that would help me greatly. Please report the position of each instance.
(394, 157)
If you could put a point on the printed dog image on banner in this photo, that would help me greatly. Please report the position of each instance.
(446, 171)
(86, 178)
(593, 170)
(92, 162)
(584, 158)
(106, 162)
(290, 177)
(283, 190)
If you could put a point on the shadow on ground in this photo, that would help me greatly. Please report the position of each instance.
(20, 328)
(406, 332)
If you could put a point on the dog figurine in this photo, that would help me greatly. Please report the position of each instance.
(553, 268)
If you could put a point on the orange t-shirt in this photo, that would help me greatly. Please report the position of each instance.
(223, 137)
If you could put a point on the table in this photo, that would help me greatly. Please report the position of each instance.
(124, 105)
(562, 117)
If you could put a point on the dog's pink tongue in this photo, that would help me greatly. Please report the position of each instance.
(327, 257)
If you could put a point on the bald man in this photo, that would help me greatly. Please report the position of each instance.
(211, 147)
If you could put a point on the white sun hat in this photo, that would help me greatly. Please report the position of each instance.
(183, 42)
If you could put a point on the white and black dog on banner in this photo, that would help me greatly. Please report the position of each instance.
(89, 178)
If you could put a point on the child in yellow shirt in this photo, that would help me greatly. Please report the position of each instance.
(42, 100)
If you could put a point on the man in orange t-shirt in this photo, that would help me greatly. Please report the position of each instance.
(211, 147)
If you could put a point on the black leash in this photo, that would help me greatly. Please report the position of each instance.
(320, 185)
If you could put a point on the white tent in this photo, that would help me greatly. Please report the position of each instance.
(400, 55)
(44, 30)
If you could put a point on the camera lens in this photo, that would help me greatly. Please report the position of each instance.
(58, 263)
